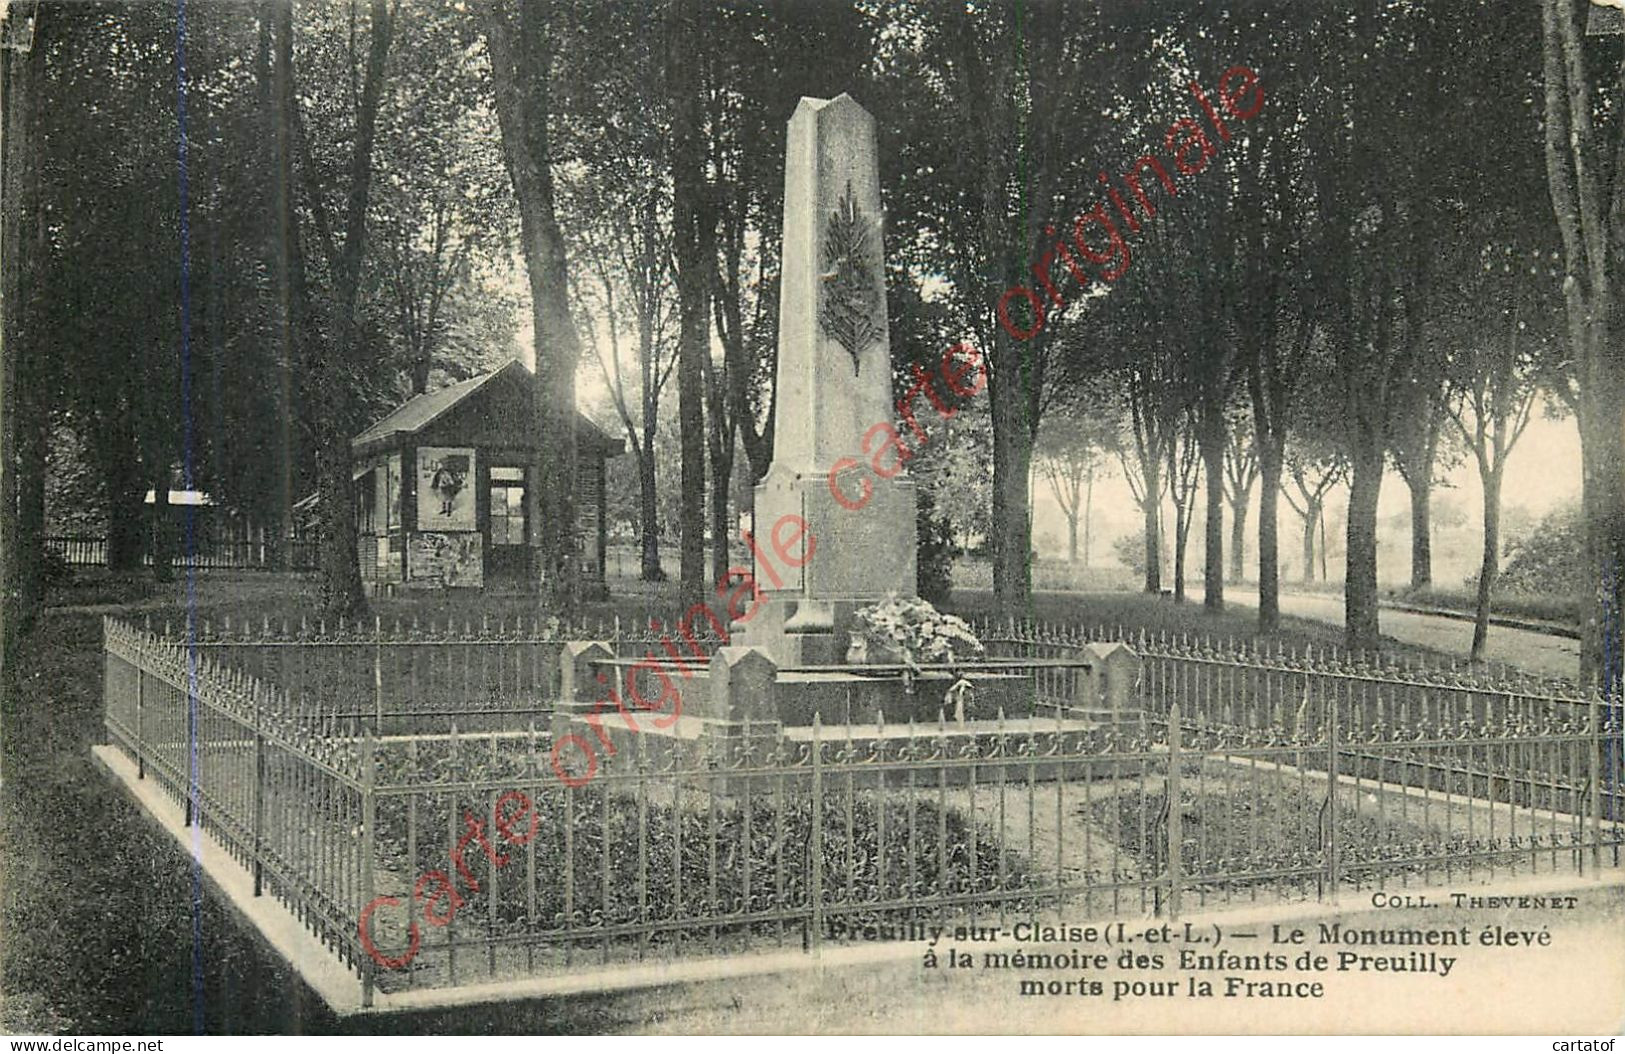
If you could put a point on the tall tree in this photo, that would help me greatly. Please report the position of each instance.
(1240, 472)
(333, 351)
(1415, 450)
(621, 231)
(1314, 469)
(522, 40)
(694, 247)
(1588, 201)
(1153, 416)
(1495, 390)
(1071, 452)
(1184, 472)
(444, 208)
(631, 252)
(21, 410)
(1024, 87)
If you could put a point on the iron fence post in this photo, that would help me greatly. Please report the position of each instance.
(192, 673)
(369, 808)
(378, 672)
(1176, 833)
(1595, 764)
(259, 790)
(140, 721)
(817, 888)
(1332, 863)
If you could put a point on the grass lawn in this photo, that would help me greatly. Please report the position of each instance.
(98, 910)
(1540, 607)
(1560, 608)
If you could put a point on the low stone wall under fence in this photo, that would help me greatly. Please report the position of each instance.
(440, 859)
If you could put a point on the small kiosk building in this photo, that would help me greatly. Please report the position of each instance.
(446, 488)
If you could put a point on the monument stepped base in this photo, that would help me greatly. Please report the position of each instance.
(882, 746)
(843, 695)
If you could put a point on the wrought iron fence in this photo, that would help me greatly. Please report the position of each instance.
(450, 857)
(1279, 695)
(286, 801)
(209, 553)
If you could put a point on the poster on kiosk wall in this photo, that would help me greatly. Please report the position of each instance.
(446, 489)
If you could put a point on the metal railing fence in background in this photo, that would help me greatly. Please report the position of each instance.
(299, 554)
(415, 675)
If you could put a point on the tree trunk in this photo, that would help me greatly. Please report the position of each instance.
(1594, 309)
(721, 529)
(126, 514)
(1602, 454)
(1238, 539)
(1012, 468)
(1180, 530)
(690, 215)
(161, 527)
(1604, 611)
(1269, 566)
(330, 341)
(1360, 624)
(342, 594)
(1311, 519)
(22, 406)
(278, 233)
(1490, 567)
(1422, 531)
(14, 566)
(648, 513)
(1151, 507)
(1072, 539)
(1213, 527)
(31, 453)
(1088, 513)
(521, 77)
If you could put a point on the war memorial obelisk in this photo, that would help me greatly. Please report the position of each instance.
(833, 463)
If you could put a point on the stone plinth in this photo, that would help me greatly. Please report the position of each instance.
(849, 696)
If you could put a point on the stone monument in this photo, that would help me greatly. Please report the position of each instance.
(837, 463)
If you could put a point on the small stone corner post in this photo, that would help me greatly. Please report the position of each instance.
(743, 686)
(1113, 679)
(579, 687)
(742, 717)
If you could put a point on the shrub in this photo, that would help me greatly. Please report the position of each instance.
(54, 569)
(689, 858)
(935, 550)
(1548, 558)
(1130, 551)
